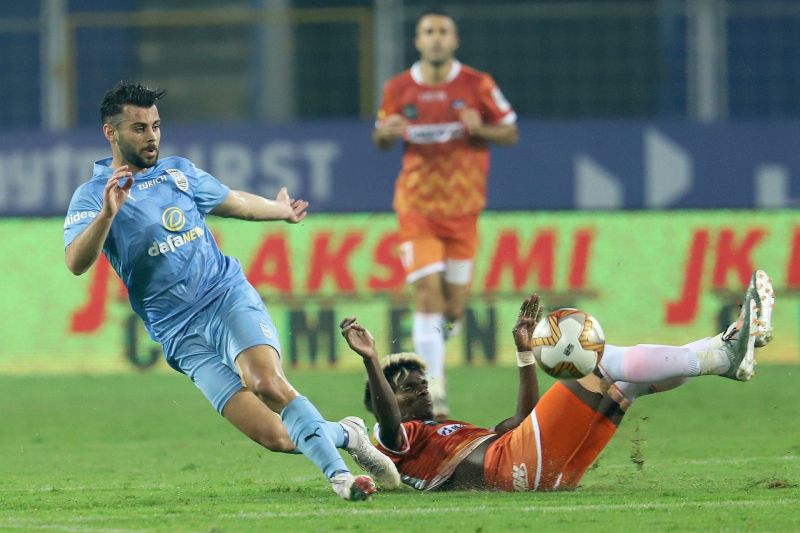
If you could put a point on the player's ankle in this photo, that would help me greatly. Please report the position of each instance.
(713, 362)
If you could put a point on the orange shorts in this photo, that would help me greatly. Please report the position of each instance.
(438, 244)
(552, 448)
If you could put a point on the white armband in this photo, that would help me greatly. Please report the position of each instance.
(525, 359)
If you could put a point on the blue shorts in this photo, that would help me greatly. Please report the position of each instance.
(207, 348)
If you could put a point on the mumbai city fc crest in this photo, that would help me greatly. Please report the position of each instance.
(410, 112)
(180, 179)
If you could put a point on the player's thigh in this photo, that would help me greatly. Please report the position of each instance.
(460, 246)
(205, 368)
(460, 251)
(533, 455)
(422, 257)
(244, 333)
(253, 418)
(603, 430)
(242, 322)
(552, 448)
(563, 421)
(421, 248)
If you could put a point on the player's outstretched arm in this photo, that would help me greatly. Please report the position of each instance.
(248, 206)
(82, 252)
(530, 312)
(384, 403)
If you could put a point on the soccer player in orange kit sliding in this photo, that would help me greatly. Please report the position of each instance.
(548, 443)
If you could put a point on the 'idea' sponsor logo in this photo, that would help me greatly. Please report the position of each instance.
(80, 215)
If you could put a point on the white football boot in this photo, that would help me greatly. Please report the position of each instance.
(367, 456)
(739, 339)
(353, 488)
(766, 295)
(763, 320)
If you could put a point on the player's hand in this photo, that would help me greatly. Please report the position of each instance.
(471, 119)
(297, 208)
(392, 127)
(358, 338)
(116, 191)
(530, 312)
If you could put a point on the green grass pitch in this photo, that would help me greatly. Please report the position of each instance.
(146, 453)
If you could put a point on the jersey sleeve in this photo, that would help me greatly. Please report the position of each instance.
(406, 435)
(83, 209)
(388, 102)
(493, 106)
(208, 191)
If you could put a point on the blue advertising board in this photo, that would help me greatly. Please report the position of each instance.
(555, 165)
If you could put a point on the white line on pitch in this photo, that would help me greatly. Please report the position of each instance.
(38, 526)
(516, 508)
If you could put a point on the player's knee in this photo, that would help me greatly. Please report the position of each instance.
(454, 312)
(428, 298)
(273, 390)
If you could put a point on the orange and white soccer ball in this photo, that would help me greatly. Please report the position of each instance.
(568, 343)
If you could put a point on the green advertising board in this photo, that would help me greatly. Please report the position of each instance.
(649, 277)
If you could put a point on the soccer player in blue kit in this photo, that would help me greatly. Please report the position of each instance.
(148, 216)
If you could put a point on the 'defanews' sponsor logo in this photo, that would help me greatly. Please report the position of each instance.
(173, 242)
(72, 218)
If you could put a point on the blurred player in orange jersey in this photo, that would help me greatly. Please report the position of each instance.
(549, 443)
(446, 114)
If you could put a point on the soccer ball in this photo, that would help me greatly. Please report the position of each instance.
(568, 343)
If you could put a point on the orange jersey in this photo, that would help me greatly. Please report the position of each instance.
(444, 170)
(432, 450)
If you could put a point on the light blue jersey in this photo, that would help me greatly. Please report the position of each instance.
(159, 244)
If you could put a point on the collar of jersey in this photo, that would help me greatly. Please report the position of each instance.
(416, 72)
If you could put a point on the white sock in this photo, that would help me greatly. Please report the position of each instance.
(711, 356)
(709, 343)
(428, 340)
(713, 362)
(648, 363)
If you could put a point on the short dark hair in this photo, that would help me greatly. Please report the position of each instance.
(395, 367)
(128, 93)
(433, 12)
